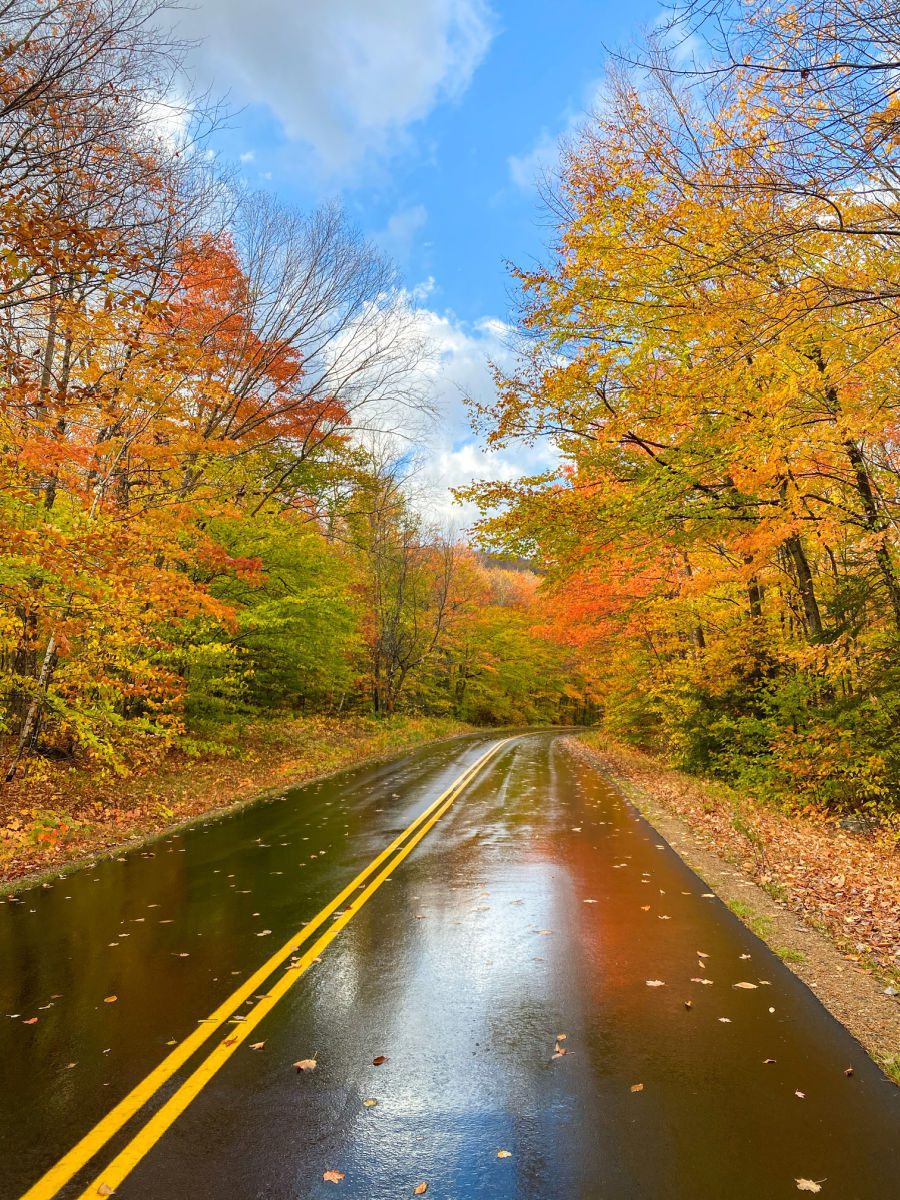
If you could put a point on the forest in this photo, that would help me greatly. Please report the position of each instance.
(207, 512)
(712, 345)
(210, 405)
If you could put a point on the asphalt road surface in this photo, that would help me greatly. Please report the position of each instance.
(561, 1008)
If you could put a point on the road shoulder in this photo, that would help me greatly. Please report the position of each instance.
(847, 983)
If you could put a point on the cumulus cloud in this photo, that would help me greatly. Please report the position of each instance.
(453, 456)
(347, 78)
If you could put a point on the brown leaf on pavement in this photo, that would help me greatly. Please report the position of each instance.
(504, 1153)
(637, 1087)
(746, 985)
(655, 983)
(807, 1185)
(110, 999)
(421, 1189)
(379, 1059)
(333, 1176)
(257, 1045)
(305, 1064)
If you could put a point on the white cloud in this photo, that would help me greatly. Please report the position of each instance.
(167, 121)
(348, 78)
(397, 238)
(454, 456)
(248, 156)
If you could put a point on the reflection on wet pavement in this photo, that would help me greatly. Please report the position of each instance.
(543, 975)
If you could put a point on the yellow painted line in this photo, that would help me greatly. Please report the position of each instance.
(164, 1118)
(81, 1154)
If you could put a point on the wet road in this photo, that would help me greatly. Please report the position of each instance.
(539, 905)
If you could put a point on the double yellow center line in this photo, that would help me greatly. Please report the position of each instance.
(365, 885)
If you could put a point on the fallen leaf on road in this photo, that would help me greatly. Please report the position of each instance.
(257, 1045)
(700, 954)
(800, 1095)
(655, 983)
(305, 1064)
(589, 902)
(645, 908)
(333, 1176)
(637, 1087)
(746, 985)
(105, 1190)
(504, 1153)
(110, 999)
(688, 1004)
(31, 1021)
(229, 1041)
(708, 982)
(379, 1059)
(766, 1061)
(421, 1189)
(370, 1103)
(561, 1037)
(849, 1072)
(558, 1051)
(807, 1185)
(725, 1020)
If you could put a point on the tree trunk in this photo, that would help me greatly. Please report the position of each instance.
(876, 524)
(30, 724)
(806, 588)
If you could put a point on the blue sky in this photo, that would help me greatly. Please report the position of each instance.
(429, 120)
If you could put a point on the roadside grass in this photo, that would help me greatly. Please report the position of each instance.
(760, 925)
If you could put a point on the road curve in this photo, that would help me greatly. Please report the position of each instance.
(563, 1009)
